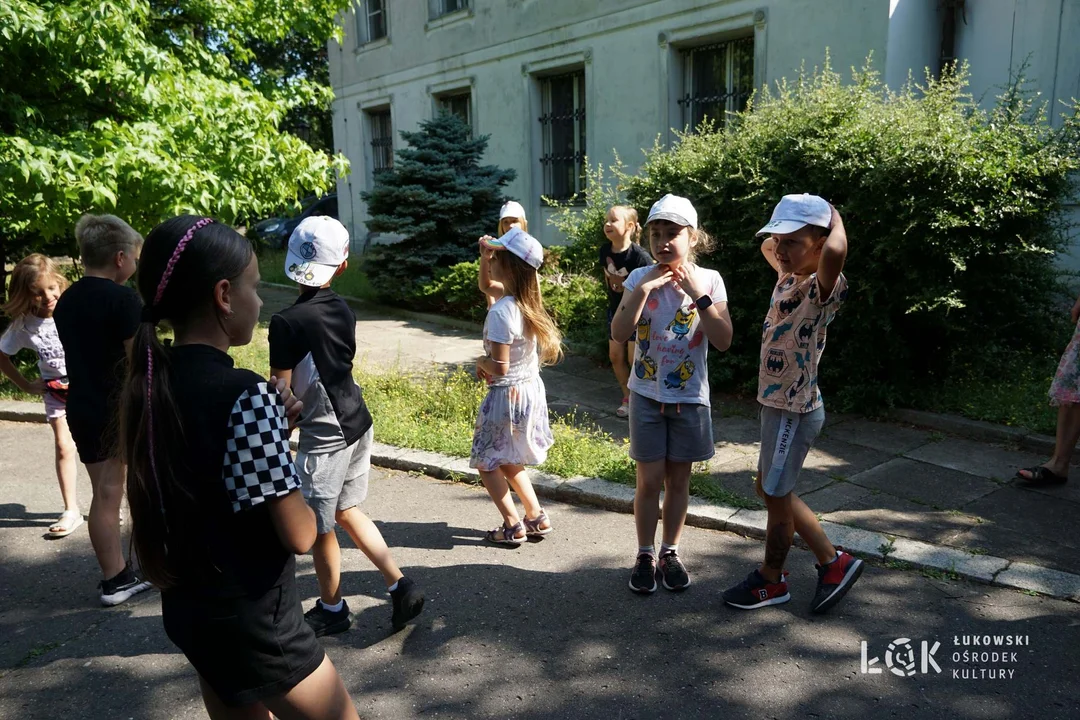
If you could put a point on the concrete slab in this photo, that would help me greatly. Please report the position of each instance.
(856, 540)
(837, 496)
(837, 458)
(736, 475)
(888, 438)
(1042, 580)
(728, 452)
(975, 458)
(976, 567)
(735, 429)
(708, 515)
(928, 484)
(896, 516)
(751, 523)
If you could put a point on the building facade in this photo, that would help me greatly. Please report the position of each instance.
(555, 81)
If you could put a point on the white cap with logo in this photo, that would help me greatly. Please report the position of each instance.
(675, 209)
(512, 209)
(317, 247)
(796, 211)
(520, 243)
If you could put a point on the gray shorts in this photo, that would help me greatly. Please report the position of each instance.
(786, 438)
(336, 480)
(680, 432)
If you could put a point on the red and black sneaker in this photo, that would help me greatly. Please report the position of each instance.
(835, 579)
(756, 592)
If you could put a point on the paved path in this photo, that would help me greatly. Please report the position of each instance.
(542, 632)
(889, 478)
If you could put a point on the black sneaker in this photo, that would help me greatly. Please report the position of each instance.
(835, 579)
(757, 592)
(408, 601)
(643, 579)
(672, 571)
(324, 622)
(122, 587)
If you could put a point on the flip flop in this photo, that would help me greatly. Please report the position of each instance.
(1040, 476)
(68, 523)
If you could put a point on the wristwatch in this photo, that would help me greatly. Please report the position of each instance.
(703, 302)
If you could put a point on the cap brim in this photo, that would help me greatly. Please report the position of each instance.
(493, 244)
(306, 272)
(781, 227)
(671, 217)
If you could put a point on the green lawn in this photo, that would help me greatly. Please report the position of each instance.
(353, 282)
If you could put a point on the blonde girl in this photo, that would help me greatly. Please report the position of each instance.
(512, 429)
(36, 284)
(619, 257)
(511, 215)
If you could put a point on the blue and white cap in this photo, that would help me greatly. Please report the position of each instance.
(317, 247)
(522, 244)
(797, 211)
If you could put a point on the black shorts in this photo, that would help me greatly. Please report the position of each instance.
(94, 431)
(610, 317)
(247, 649)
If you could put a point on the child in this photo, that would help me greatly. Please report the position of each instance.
(675, 307)
(808, 259)
(511, 214)
(96, 319)
(1065, 394)
(215, 511)
(512, 428)
(312, 345)
(36, 284)
(620, 256)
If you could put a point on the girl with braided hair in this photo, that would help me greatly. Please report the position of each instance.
(215, 504)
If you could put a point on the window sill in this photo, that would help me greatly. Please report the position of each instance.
(373, 45)
(452, 18)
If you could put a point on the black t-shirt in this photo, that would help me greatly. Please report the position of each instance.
(316, 339)
(93, 319)
(235, 455)
(621, 264)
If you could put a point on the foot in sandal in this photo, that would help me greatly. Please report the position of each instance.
(68, 523)
(1040, 476)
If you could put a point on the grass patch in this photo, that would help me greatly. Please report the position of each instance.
(353, 282)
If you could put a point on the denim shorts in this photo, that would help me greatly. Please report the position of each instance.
(786, 438)
(680, 432)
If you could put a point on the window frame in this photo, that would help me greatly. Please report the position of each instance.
(732, 94)
(578, 116)
(443, 103)
(380, 146)
(364, 14)
(438, 8)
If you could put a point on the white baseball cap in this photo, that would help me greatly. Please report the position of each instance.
(317, 247)
(513, 209)
(677, 209)
(522, 244)
(796, 211)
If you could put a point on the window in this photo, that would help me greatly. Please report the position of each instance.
(563, 129)
(717, 79)
(382, 141)
(459, 104)
(438, 8)
(370, 20)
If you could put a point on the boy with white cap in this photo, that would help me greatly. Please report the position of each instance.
(806, 245)
(312, 345)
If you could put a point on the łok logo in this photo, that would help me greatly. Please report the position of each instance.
(901, 658)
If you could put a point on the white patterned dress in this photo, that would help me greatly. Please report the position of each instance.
(512, 427)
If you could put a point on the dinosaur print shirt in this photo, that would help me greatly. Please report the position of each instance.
(792, 340)
(671, 350)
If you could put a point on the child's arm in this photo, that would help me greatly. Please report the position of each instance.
(294, 522)
(37, 387)
(497, 364)
(626, 317)
(715, 319)
(833, 254)
(492, 289)
(768, 249)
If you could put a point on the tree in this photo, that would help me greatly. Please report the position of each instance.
(439, 197)
(146, 108)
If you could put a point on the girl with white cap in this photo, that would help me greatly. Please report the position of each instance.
(511, 214)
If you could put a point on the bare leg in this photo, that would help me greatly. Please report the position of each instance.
(807, 525)
(326, 554)
(650, 478)
(499, 490)
(319, 696)
(218, 710)
(67, 463)
(518, 478)
(107, 480)
(1068, 432)
(779, 534)
(617, 356)
(676, 499)
(365, 534)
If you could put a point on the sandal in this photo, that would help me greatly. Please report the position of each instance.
(1040, 476)
(503, 535)
(624, 409)
(532, 527)
(68, 523)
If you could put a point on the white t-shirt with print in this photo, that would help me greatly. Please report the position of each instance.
(38, 334)
(670, 356)
(504, 324)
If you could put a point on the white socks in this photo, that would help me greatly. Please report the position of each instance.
(334, 608)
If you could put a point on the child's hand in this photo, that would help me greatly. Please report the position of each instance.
(657, 277)
(481, 374)
(686, 276)
(293, 405)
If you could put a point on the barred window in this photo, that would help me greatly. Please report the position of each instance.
(382, 141)
(438, 8)
(717, 79)
(371, 20)
(459, 104)
(563, 128)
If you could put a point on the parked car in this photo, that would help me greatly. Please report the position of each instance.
(274, 232)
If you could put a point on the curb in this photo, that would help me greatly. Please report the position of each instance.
(608, 495)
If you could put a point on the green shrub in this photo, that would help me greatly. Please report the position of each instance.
(953, 215)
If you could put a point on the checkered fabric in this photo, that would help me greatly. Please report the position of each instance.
(258, 463)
